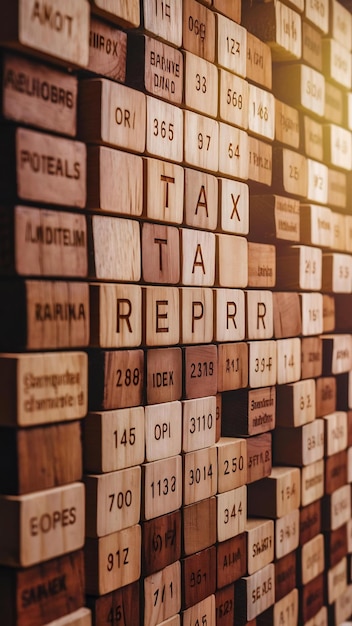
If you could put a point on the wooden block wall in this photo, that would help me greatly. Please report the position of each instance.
(176, 313)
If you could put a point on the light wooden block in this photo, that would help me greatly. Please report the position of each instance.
(128, 16)
(231, 513)
(61, 32)
(337, 272)
(164, 132)
(162, 594)
(110, 237)
(117, 322)
(312, 482)
(198, 30)
(278, 25)
(198, 257)
(335, 432)
(42, 525)
(328, 313)
(347, 221)
(325, 395)
(163, 430)
(55, 107)
(232, 261)
(341, 27)
(116, 379)
(161, 323)
(299, 446)
(337, 62)
(286, 534)
(316, 225)
(260, 161)
(337, 353)
(260, 543)
(204, 610)
(201, 85)
(119, 601)
(259, 308)
(113, 561)
(275, 217)
(233, 151)
(296, 404)
(161, 542)
(164, 191)
(231, 560)
(291, 173)
(231, 46)
(233, 99)
(160, 251)
(107, 50)
(81, 617)
(287, 316)
(276, 495)
(313, 138)
(337, 580)
(198, 423)
(259, 452)
(161, 487)
(201, 200)
(337, 146)
(311, 357)
(35, 386)
(318, 14)
(172, 621)
(300, 267)
(199, 475)
(232, 366)
(343, 606)
(120, 119)
(262, 363)
(259, 65)
(229, 8)
(304, 88)
(201, 141)
(165, 21)
(196, 534)
(113, 440)
(312, 46)
(200, 371)
(312, 313)
(229, 322)
(336, 471)
(261, 265)
(258, 590)
(317, 189)
(164, 375)
(309, 522)
(234, 206)
(232, 463)
(287, 127)
(261, 109)
(113, 501)
(284, 610)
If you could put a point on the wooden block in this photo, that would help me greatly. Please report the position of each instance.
(312, 482)
(201, 144)
(341, 27)
(259, 453)
(325, 396)
(161, 316)
(312, 313)
(161, 487)
(303, 89)
(230, 9)
(287, 126)
(162, 594)
(312, 47)
(120, 118)
(234, 206)
(346, 220)
(233, 99)
(248, 412)
(81, 617)
(107, 50)
(199, 475)
(43, 592)
(197, 315)
(336, 508)
(110, 238)
(155, 68)
(161, 542)
(311, 598)
(201, 85)
(232, 274)
(337, 146)
(49, 101)
(160, 253)
(337, 61)
(42, 525)
(233, 151)
(344, 390)
(313, 138)
(283, 611)
(198, 257)
(172, 621)
(44, 314)
(299, 446)
(259, 66)
(336, 471)
(285, 575)
(275, 217)
(318, 14)
(260, 543)
(291, 173)
(128, 16)
(337, 353)
(312, 561)
(164, 133)
(116, 379)
(231, 513)
(198, 576)
(342, 607)
(276, 24)
(328, 313)
(260, 161)
(342, 302)
(231, 46)
(164, 20)
(113, 561)
(202, 611)
(262, 360)
(339, 224)
(261, 109)
(316, 225)
(229, 322)
(231, 560)
(309, 522)
(164, 375)
(299, 267)
(258, 590)
(337, 272)
(288, 360)
(43, 388)
(225, 606)
(336, 581)
(114, 181)
(317, 174)
(118, 605)
(261, 265)
(335, 432)
(232, 463)
(277, 494)
(311, 357)
(232, 366)
(333, 110)
(116, 322)
(113, 501)
(163, 430)
(296, 404)
(198, 423)
(200, 371)
(218, 416)
(198, 30)
(60, 32)
(336, 545)
(201, 200)
(196, 534)
(58, 460)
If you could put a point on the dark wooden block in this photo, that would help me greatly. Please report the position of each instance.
(285, 575)
(161, 542)
(198, 576)
(118, 607)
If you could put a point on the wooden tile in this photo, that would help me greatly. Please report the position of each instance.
(311, 357)
(233, 151)
(233, 99)
(231, 560)
(299, 446)
(318, 14)
(337, 353)
(296, 403)
(261, 265)
(262, 363)
(337, 146)
(128, 16)
(199, 475)
(161, 316)
(110, 238)
(232, 463)
(317, 173)
(81, 617)
(231, 513)
(231, 10)
(261, 109)
(165, 21)
(229, 322)
(312, 46)
(234, 206)
(303, 268)
(260, 167)
(163, 430)
(234, 249)
(337, 272)
(259, 65)
(201, 85)
(310, 521)
(202, 610)
(333, 109)
(285, 575)
(196, 534)
(335, 432)
(275, 217)
(225, 606)
(198, 30)
(278, 25)
(198, 423)
(201, 144)
(116, 322)
(164, 191)
(164, 375)
(248, 412)
(337, 580)
(337, 61)
(259, 455)
(197, 258)
(336, 546)
(277, 494)
(198, 576)
(162, 593)
(336, 471)
(291, 173)
(286, 608)
(312, 482)
(107, 50)
(231, 46)
(307, 87)
(287, 317)
(311, 598)
(286, 534)
(120, 604)
(232, 366)
(161, 542)
(260, 543)
(160, 253)
(116, 379)
(164, 131)
(201, 200)
(200, 371)
(258, 591)
(287, 124)
(313, 138)
(316, 225)
(161, 487)
(325, 395)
